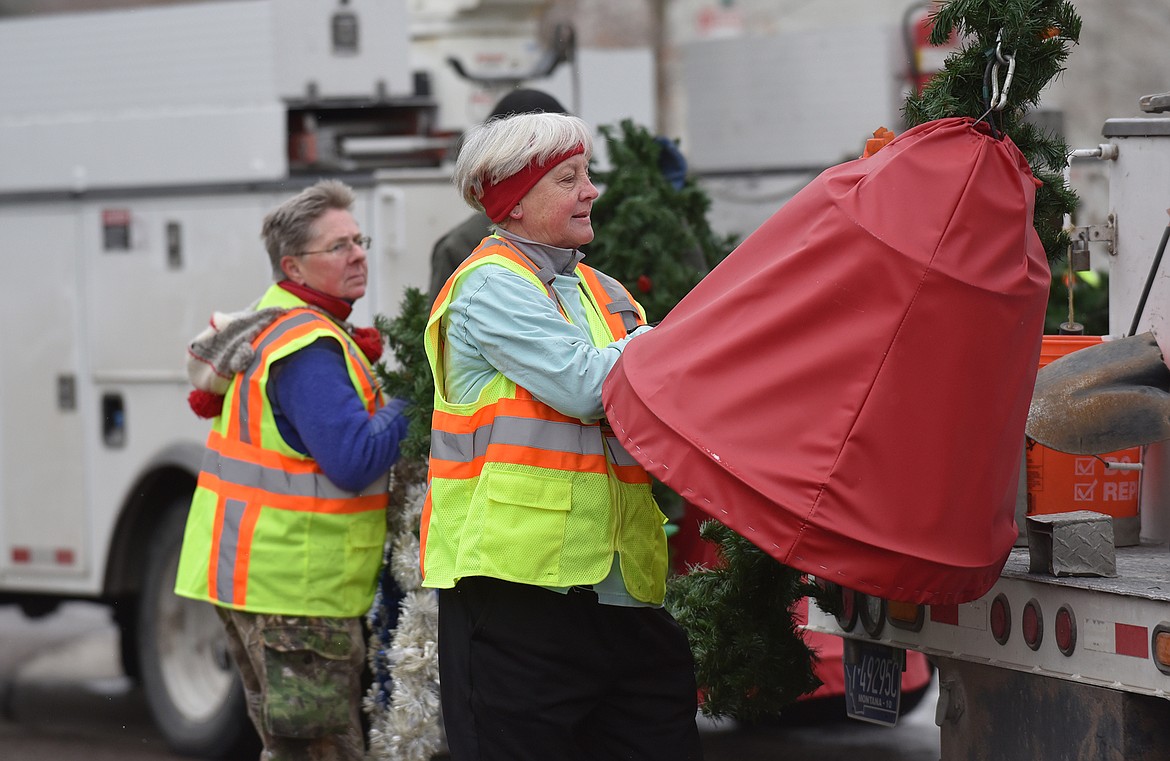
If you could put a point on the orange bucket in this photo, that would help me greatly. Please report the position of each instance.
(1059, 482)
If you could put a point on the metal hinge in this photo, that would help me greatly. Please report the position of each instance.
(1083, 235)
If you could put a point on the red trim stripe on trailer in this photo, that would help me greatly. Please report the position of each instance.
(1132, 640)
(43, 556)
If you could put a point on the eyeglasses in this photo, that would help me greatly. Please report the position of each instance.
(342, 247)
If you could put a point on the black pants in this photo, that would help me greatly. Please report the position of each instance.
(529, 674)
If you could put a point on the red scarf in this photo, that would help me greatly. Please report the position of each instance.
(369, 340)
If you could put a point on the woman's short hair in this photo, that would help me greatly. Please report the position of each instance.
(501, 147)
(288, 229)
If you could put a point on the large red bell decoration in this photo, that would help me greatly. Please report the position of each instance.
(848, 389)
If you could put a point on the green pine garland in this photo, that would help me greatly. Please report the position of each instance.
(651, 236)
(750, 659)
(411, 378)
(403, 701)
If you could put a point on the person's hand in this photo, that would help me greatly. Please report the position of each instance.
(399, 404)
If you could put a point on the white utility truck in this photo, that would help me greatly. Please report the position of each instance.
(1047, 665)
(139, 152)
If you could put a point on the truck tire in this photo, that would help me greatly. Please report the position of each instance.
(191, 685)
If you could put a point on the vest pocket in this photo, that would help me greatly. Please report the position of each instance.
(363, 557)
(641, 542)
(524, 518)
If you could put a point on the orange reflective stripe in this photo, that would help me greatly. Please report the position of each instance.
(289, 502)
(254, 454)
(424, 528)
(543, 458)
(456, 471)
(228, 415)
(617, 325)
(447, 421)
(516, 454)
(524, 405)
(631, 474)
(255, 389)
(519, 455)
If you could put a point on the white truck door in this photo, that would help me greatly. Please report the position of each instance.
(156, 267)
(43, 407)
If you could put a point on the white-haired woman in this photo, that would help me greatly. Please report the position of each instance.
(540, 532)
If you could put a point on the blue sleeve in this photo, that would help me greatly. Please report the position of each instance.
(319, 414)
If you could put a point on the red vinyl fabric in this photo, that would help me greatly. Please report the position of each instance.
(848, 388)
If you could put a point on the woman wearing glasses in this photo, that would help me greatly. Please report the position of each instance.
(286, 528)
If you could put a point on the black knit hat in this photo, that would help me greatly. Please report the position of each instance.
(525, 101)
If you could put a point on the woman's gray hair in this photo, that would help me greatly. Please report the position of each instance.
(499, 148)
(288, 229)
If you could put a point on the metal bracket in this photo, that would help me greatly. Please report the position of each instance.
(1083, 235)
(1155, 104)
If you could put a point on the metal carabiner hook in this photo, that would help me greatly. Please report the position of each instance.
(999, 98)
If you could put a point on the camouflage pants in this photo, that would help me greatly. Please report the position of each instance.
(302, 678)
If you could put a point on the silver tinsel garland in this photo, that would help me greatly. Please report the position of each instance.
(403, 701)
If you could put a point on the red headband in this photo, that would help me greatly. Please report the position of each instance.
(499, 199)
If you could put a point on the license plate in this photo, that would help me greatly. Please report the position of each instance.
(873, 681)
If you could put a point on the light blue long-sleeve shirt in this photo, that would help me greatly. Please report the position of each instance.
(500, 322)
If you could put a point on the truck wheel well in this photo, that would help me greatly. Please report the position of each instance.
(142, 513)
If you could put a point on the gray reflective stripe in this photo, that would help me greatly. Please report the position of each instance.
(621, 301)
(548, 435)
(460, 447)
(629, 314)
(257, 365)
(618, 453)
(621, 305)
(279, 481)
(229, 542)
(546, 275)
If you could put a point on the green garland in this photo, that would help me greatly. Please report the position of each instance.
(411, 377)
(403, 700)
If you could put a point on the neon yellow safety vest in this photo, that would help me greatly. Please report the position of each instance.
(520, 492)
(268, 532)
